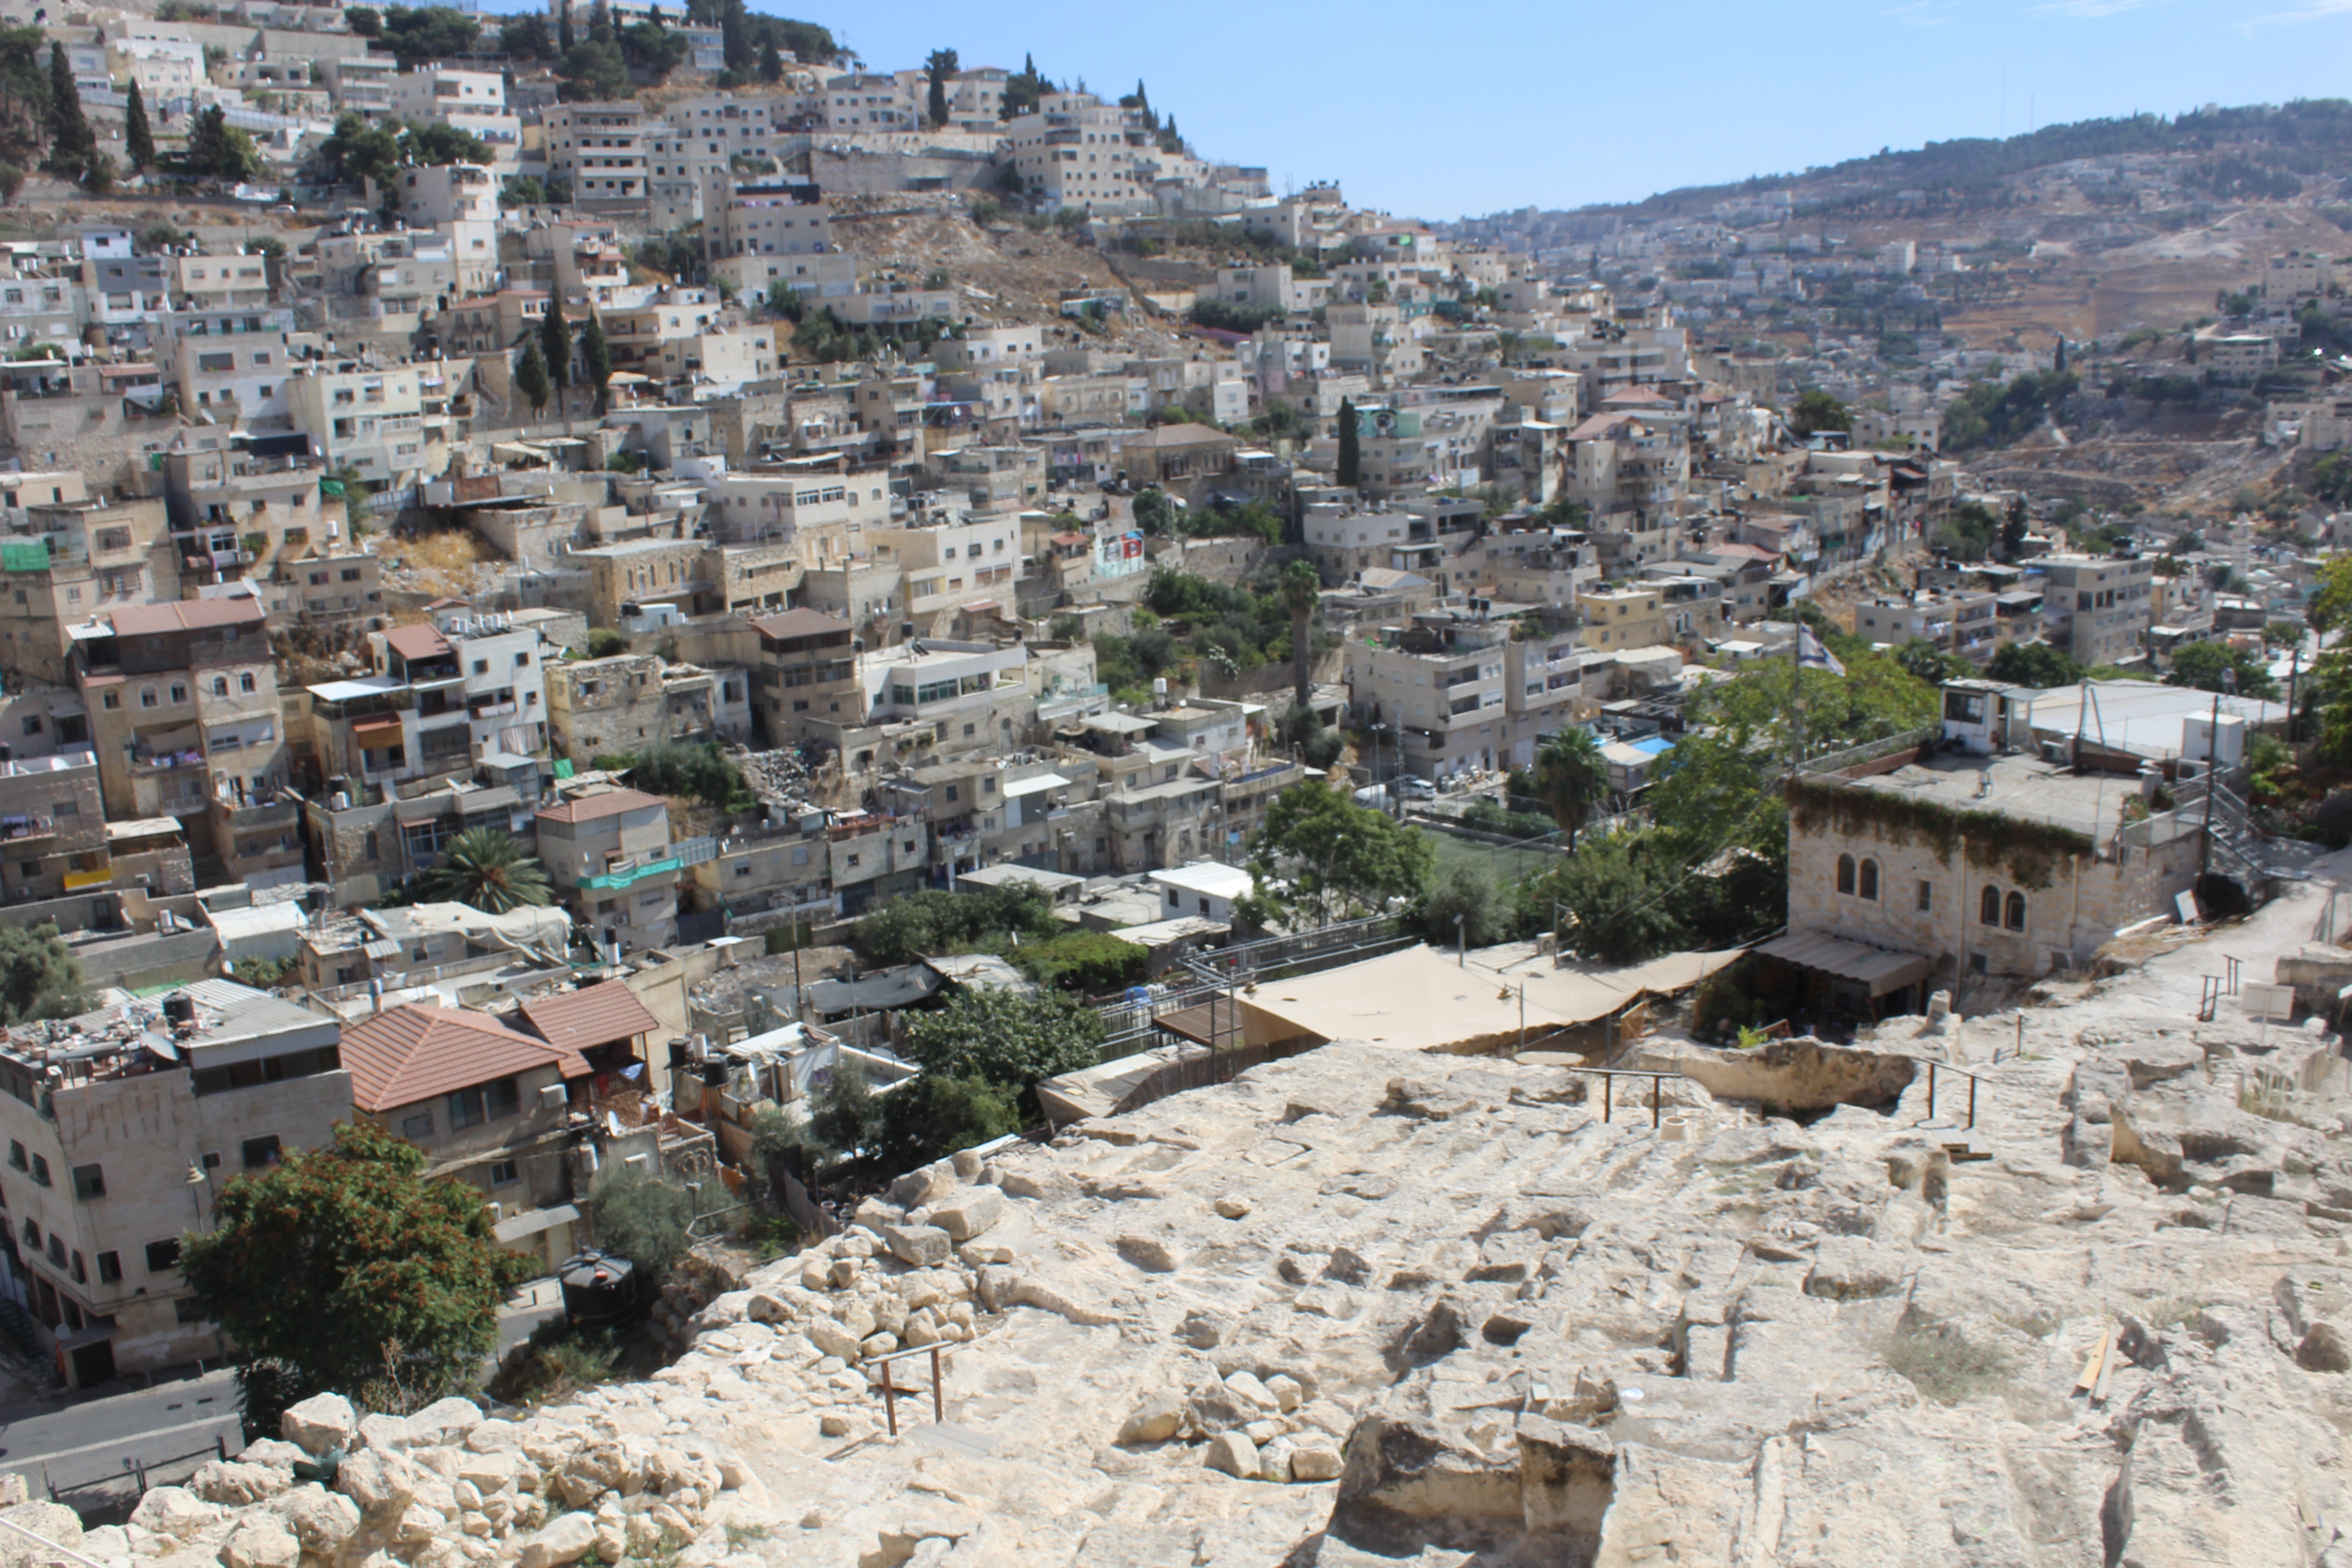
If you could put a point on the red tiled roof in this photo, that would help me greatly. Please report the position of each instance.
(598, 1016)
(185, 615)
(1599, 427)
(605, 803)
(412, 1053)
(416, 642)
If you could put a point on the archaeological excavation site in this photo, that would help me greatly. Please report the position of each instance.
(2063, 1285)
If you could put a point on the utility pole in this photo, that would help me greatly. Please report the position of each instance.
(2292, 672)
(2212, 782)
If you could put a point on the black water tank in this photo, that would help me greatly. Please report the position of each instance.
(600, 1291)
(180, 1007)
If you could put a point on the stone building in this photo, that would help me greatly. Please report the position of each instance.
(600, 707)
(115, 1152)
(608, 855)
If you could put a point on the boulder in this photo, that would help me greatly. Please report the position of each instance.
(1253, 1394)
(487, 1472)
(321, 1422)
(174, 1511)
(921, 1246)
(1234, 1454)
(1314, 1457)
(1274, 1461)
(322, 1520)
(567, 1539)
(1205, 1328)
(831, 1338)
(1152, 1253)
(260, 1542)
(383, 1432)
(234, 1482)
(1158, 1419)
(971, 1213)
(924, 1184)
(2324, 1349)
(378, 1481)
(1411, 1481)
(1231, 1206)
(51, 1521)
(445, 1421)
(1847, 1269)
(1288, 1392)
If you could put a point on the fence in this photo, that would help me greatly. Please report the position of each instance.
(1868, 751)
(109, 1498)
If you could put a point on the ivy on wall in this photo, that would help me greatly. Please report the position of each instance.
(2030, 850)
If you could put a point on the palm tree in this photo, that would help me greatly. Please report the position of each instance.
(1301, 588)
(487, 870)
(1571, 775)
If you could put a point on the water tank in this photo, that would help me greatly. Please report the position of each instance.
(180, 1007)
(600, 1291)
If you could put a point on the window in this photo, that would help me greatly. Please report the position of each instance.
(81, 1272)
(2016, 911)
(1927, 895)
(109, 1269)
(245, 682)
(56, 1249)
(489, 1102)
(89, 1182)
(1870, 880)
(419, 1126)
(32, 1233)
(16, 1155)
(1845, 873)
(220, 685)
(1989, 907)
(503, 1174)
(41, 1171)
(261, 1152)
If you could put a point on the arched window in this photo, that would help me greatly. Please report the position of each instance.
(1870, 880)
(1846, 873)
(2017, 912)
(146, 696)
(220, 685)
(1989, 908)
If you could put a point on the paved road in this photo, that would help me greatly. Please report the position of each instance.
(72, 1442)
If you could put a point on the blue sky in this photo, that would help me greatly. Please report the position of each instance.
(1439, 111)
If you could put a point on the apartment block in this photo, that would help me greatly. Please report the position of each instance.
(2098, 611)
(609, 858)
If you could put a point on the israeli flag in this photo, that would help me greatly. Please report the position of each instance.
(1811, 655)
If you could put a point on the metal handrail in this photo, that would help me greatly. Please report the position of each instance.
(45, 1540)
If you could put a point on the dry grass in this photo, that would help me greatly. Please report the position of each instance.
(1948, 1367)
(446, 560)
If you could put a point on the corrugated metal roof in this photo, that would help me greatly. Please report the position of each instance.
(1881, 972)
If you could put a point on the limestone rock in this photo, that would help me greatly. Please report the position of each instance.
(174, 1511)
(567, 1539)
(1287, 1390)
(1846, 1268)
(380, 1482)
(924, 1186)
(232, 1481)
(2325, 1348)
(321, 1422)
(1232, 1206)
(445, 1421)
(971, 1213)
(1274, 1461)
(260, 1542)
(1205, 1328)
(1234, 1454)
(1158, 1419)
(321, 1520)
(1152, 1253)
(52, 1522)
(918, 1245)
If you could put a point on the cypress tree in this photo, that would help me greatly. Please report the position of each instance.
(138, 139)
(1351, 456)
(564, 39)
(531, 376)
(596, 358)
(71, 142)
(555, 344)
(772, 64)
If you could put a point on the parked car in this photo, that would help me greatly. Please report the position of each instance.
(1411, 788)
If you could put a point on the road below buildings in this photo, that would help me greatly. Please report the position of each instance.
(66, 1444)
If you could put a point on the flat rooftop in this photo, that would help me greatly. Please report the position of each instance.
(2027, 788)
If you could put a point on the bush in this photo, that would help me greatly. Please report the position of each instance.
(557, 1362)
(1007, 1041)
(1469, 892)
(933, 1117)
(1087, 962)
(933, 923)
(641, 1217)
(700, 772)
(605, 642)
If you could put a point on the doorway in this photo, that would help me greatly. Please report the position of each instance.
(93, 1363)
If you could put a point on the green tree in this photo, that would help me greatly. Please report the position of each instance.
(72, 142)
(357, 150)
(555, 346)
(930, 1117)
(525, 37)
(2014, 529)
(596, 359)
(217, 150)
(2033, 663)
(735, 36)
(317, 1265)
(1350, 466)
(564, 37)
(1925, 661)
(1155, 512)
(939, 66)
(604, 642)
(772, 64)
(40, 975)
(2218, 666)
(1087, 963)
(1319, 857)
(1571, 776)
(438, 142)
(1618, 898)
(642, 1217)
(486, 868)
(531, 380)
(845, 1115)
(12, 180)
(1006, 1041)
(932, 922)
(1302, 591)
(1816, 411)
(426, 33)
(1467, 892)
(593, 72)
(138, 138)
(364, 21)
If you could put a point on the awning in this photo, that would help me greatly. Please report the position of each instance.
(1881, 971)
(381, 724)
(534, 1222)
(1019, 787)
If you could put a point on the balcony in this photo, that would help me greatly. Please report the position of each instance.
(145, 762)
(75, 882)
(17, 831)
(493, 711)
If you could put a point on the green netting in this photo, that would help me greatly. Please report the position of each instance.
(25, 555)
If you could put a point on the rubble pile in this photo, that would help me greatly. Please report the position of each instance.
(780, 776)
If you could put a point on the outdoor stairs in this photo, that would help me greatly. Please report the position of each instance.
(17, 1326)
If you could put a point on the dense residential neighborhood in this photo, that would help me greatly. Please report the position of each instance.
(687, 723)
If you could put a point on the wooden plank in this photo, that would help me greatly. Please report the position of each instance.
(2095, 1368)
(2107, 1371)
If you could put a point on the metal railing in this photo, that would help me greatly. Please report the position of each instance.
(1869, 751)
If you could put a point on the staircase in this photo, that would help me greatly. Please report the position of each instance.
(16, 1327)
(2238, 851)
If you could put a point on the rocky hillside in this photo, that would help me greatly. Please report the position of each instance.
(1369, 1305)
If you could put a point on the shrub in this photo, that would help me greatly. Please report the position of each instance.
(1087, 962)
(641, 1217)
(605, 642)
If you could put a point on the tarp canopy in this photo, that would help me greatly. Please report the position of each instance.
(1879, 971)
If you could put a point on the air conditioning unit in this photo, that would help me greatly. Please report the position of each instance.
(2053, 750)
(640, 1161)
(551, 1097)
